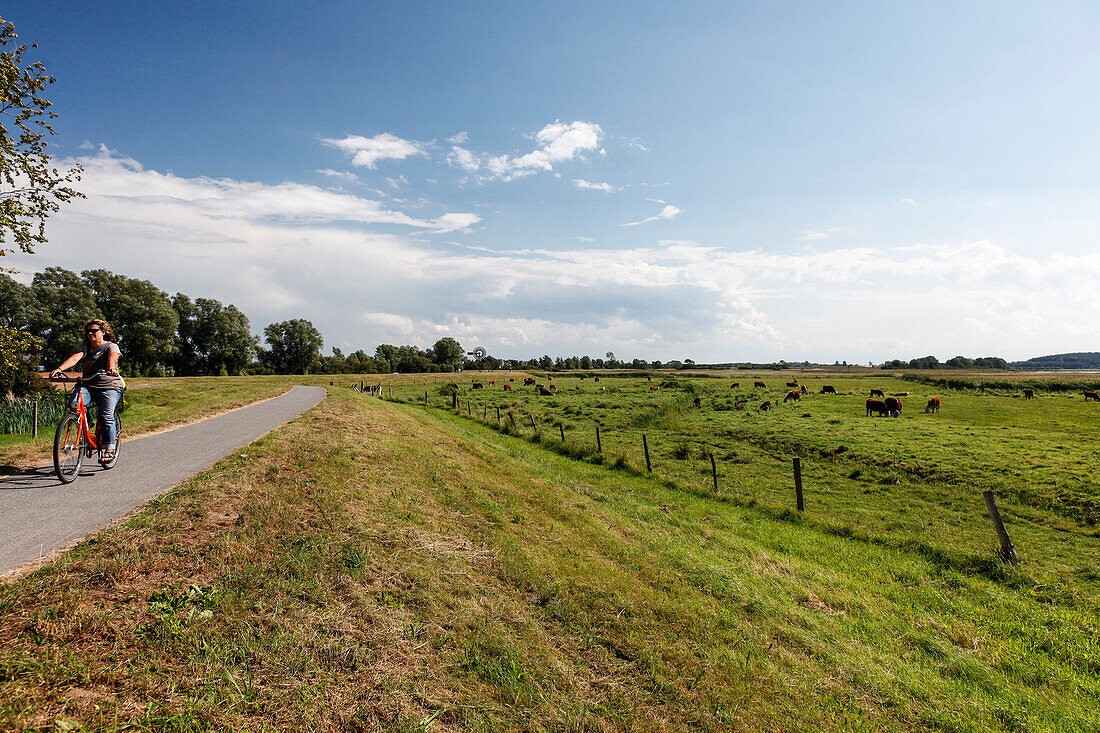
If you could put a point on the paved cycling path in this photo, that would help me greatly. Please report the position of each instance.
(39, 514)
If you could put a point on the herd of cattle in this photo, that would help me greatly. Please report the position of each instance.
(885, 407)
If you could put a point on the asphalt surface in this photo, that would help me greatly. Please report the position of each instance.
(39, 514)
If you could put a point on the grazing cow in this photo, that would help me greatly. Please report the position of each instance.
(933, 405)
(901, 394)
(766, 406)
(550, 377)
(511, 379)
(649, 379)
(877, 406)
(792, 384)
(544, 391)
(1028, 394)
(803, 390)
(698, 402)
(893, 404)
(507, 388)
(877, 393)
(492, 382)
(1092, 396)
(735, 384)
(654, 388)
(452, 384)
(528, 381)
(761, 385)
(739, 404)
(596, 378)
(793, 395)
(828, 389)
(478, 385)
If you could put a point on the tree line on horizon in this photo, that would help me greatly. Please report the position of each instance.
(162, 335)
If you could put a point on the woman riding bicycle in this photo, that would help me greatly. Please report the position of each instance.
(101, 377)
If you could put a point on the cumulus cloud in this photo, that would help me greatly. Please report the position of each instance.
(459, 138)
(351, 266)
(669, 212)
(557, 142)
(605, 187)
(367, 151)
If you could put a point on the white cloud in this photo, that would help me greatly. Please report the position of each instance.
(367, 151)
(605, 187)
(459, 138)
(816, 234)
(341, 175)
(288, 251)
(669, 212)
(557, 142)
(908, 200)
(397, 182)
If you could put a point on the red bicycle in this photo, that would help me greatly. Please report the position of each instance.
(73, 440)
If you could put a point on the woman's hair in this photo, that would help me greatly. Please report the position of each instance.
(108, 334)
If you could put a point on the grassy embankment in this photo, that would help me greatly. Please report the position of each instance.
(378, 566)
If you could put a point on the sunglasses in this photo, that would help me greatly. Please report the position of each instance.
(93, 330)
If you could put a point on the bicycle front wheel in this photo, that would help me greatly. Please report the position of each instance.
(68, 448)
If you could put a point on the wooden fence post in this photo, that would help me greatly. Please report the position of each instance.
(34, 428)
(561, 429)
(425, 397)
(468, 408)
(498, 416)
(1008, 550)
(454, 400)
(714, 471)
(798, 483)
(533, 425)
(599, 445)
(645, 447)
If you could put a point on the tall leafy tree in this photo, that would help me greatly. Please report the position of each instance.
(142, 316)
(213, 339)
(15, 303)
(293, 346)
(448, 354)
(30, 187)
(61, 304)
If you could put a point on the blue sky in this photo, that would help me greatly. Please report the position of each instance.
(712, 180)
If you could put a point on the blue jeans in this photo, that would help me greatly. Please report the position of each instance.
(105, 402)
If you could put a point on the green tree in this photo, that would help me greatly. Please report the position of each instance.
(18, 363)
(142, 317)
(61, 304)
(448, 354)
(30, 188)
(294, 346)
(213, 339)
(15, 302)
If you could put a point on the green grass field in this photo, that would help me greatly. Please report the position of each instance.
(382, 565)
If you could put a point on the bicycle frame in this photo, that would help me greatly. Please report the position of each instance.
(82, 412)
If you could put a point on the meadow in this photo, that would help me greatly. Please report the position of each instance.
(386, 564)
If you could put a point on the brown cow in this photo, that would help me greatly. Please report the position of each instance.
(528, 380)
(766, 406)
(760, 384)
(877, 393)
(792, 384)
(1028, 394)
(478, 385)
(893, 404)
(1092, 396)
(698, 402)
(492, 382)
(877, 406)
(828, 389)
(649, 379)
(793, 395)
(654, 388)
(933, 405)
(544, 391)
(596, 378)
(735, 384)
(507, 388)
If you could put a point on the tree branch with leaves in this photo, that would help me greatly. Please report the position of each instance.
(30, 187)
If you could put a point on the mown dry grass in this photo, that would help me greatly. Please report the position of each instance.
(375, 567)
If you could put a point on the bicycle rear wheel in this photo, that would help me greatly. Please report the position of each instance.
(68, 448)
(118, 443)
